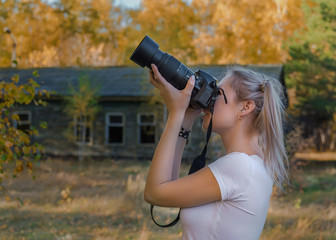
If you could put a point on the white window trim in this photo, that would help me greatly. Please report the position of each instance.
(90, 142)
(146, 124)
(29, 121)
(108, 124)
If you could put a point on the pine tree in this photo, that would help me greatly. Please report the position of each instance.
(311, 73)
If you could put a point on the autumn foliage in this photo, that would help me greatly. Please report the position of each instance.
(98, 33)
(17, 151)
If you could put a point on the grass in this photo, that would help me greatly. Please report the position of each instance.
(311, 156)
(103, 200)
(308, 210)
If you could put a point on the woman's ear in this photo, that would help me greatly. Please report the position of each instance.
(247, 107)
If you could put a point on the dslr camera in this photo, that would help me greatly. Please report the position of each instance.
(176, 73)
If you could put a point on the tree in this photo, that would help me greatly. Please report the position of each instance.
(170, 23)
(220, 32)
(311, 73)
(63, 33)
(98, 33)
(246, 31)
(82, 107)
(33, 24)
(17, 150)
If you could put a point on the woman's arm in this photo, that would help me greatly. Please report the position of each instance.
(167, 157)
(161, 169)
(160, 189)
(187, 124)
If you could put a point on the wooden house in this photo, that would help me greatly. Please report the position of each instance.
(129, 123)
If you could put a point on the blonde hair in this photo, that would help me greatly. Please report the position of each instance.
(269, 116)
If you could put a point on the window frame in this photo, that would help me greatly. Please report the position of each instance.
(90, 142)
(19, 122)
(139, 125)
(108, 124)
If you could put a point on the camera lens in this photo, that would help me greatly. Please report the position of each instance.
(144, 53)
(170, 68)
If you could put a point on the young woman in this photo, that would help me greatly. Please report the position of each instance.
(229, 198)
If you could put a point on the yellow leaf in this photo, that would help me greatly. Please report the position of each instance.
(26, 150)
(15, 117)
(29, 165)
(19, 169)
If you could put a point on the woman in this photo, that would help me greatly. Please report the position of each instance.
(229, 198)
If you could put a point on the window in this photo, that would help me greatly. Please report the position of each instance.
(114, 128)
(147, 129)
(82, 127)
(25, 121)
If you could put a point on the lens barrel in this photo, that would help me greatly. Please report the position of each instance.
(171, 69)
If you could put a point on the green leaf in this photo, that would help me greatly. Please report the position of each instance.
(43, 125)
(3, 157)
(35, 74)
(20, 201)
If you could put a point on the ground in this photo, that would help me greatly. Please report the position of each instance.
(103, 200)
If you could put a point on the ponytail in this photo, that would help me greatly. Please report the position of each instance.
(273, 114)
(269, 115)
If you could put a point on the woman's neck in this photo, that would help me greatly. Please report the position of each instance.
(240, 140)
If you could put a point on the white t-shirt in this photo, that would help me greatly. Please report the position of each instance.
(246, 188)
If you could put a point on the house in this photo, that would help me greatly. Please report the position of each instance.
(128, 124)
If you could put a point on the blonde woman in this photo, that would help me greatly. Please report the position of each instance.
(229, 198)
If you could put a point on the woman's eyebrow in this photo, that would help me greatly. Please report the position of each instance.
(223, 92)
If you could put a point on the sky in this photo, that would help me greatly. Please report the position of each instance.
(133, 3)
(128, 3)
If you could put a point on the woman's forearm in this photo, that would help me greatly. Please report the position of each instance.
(161, 169)
(180, 145)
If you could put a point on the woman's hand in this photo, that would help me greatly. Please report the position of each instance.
(177, 101)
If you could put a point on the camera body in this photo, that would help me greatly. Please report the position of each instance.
(176, 73)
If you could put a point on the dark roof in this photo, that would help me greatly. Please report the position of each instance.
(114, 81)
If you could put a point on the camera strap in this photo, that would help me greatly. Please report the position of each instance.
(197, 164)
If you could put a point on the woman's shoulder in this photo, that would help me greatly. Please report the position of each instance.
(234, 162)
(236, 158)
(233, 173)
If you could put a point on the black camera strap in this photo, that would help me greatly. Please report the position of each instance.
(198, 163)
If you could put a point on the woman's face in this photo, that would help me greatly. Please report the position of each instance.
(225, 115)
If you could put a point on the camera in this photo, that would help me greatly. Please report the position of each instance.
(176, 73)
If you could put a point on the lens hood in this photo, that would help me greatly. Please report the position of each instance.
(143, 54)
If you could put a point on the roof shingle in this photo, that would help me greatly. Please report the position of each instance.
(113, 81)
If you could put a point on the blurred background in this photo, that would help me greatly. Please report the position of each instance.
(78, 183)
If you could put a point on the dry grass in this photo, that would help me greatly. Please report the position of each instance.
(103, 200)
(323, 156)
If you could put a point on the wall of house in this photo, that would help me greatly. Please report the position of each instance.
(54, 137)
(58, 138)
(130, 147)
